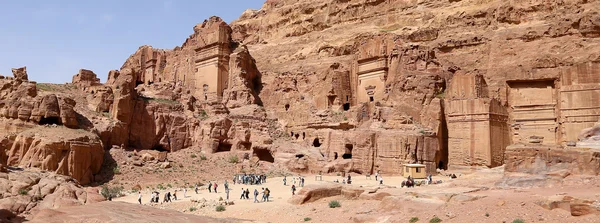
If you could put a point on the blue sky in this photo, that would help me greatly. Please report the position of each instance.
(54, 39)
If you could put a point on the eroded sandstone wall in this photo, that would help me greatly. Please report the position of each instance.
(74, 153)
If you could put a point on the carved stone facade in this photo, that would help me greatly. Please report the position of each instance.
(533, 108)
(579, 99)
(212, 64)
(479, 133)
(370, 71)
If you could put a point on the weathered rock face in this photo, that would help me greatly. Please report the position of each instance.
(509, 95)
(19, 100)
(20, 73)
(552, 160)
(74, 153)
(313, 193)
(577, 206)
(244, 83)
(85, 78)
(160, 126)
(100, 99)
(24, 191)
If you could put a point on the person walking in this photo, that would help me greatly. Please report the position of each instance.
(184, 192)
(175, 195)
(196, 189)
(247, 194)
(256, 196)
(140, 197)
(380, 180)
(209, 187)
(284, 180)
(267, 193)
(293, 189)
(227, 192)
(215, 185)
(243, 193)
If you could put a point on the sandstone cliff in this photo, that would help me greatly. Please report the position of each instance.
(74, 153)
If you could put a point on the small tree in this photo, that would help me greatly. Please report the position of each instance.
(518, 220)
(220, 208)
(307, 219)
(111, 192)
(192, 209)
(413, 220)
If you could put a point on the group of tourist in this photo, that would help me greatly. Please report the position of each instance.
(299, 180)
(265, 194)
(213, 187)
(249, 179)
(155, 197)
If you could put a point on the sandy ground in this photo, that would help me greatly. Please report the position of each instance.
(492, 204)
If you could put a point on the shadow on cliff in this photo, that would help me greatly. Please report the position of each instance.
(108, 170)
(84, 122)
(7, 216)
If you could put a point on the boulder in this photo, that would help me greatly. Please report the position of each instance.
(577, 206)
(312, 193)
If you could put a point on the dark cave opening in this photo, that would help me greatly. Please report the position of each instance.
(316, 142)
(50, 121)
(264, 154)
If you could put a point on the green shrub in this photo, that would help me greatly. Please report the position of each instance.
(193, 156)
(44, 87)
(435, 220)
(111, 191)
(334, 204)
(169, 186)
(233, 159)
(23, 191)
(518, 220)
(202, 157)
(413, 220)
(487, 214)
(192, 209)
(116, 170)
(160, 187)
(220, 208)
(307, 219)
(203, 115)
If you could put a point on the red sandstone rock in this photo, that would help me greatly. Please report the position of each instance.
(44, 190)
(312, 193)
(69, 152)
(20, 73)
(85, 78)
